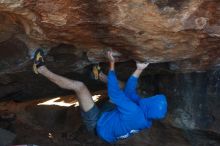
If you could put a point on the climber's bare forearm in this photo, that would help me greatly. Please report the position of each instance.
(137, 73)
(111, 60)
(140, 68)
(112, 66)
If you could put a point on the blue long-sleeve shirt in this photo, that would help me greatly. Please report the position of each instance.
(127, 118)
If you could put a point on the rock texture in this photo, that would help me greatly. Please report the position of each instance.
(193, 115)
(58, 126)
(193, 103)
(180, 39)
(185, 33)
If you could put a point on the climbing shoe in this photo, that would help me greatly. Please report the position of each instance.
(96, 69)
(38, 60)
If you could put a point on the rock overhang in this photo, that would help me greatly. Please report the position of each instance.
(186, 34)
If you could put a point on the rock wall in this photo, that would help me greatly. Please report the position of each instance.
(180, 39)
(193, 103)
(193, 111)
(179, 36)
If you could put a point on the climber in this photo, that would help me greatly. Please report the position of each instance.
(131, 113)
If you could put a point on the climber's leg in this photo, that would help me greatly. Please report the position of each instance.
(90, 112)
(84, 96)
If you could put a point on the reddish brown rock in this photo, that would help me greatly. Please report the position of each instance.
(185, 33)
(176, 35)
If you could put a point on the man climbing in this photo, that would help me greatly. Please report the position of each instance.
(131, 113)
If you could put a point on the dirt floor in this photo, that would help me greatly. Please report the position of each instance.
(52, 125)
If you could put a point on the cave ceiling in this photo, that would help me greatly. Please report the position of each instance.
(185, 34)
